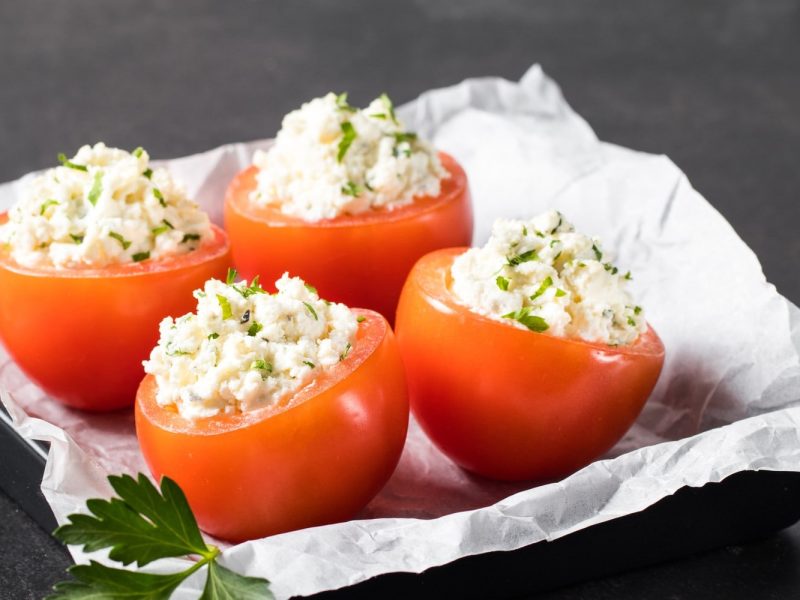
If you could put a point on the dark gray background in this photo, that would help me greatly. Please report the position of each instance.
(714, 85)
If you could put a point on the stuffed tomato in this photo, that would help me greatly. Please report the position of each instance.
(96, 253)
(348, 199)
(501, 376)
(273, 412)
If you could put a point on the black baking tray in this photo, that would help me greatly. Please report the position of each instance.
(745, 506)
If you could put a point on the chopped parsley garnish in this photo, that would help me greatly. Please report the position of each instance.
(408, 136)
(524, 230)
(246, 292)
(254, 329)
(78, 239)
(560, 220)
(138, 152)
(539, 234)
(65, 162)
(348, 135)
(311, 310)
(261, 365)
(148, 173)
(351, 189)
(598, 255)
(560, 293)
(543, 287)
(341, 103)
(309, 364)
(47, 204)
(125, 243)
(532, 322)
(513, 261)
(360, 319)
(165, 226)
(637, 310)
(555, 258)
(231, 277)
(387, 102)
(628, 276)
(225, 305)
(611, 268)
(310, 288)
(502, 283)
(213, 336)
(159, 196)
(140, 256)
(344, 354)
(97, 188)
(190, 237)
(631, 322)
(581, 264)
(553, 242)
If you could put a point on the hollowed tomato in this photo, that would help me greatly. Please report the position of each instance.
(81, 334)
(508, 403)
(318, 456)
(361, 260)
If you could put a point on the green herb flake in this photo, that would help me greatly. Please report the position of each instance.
(611, 268)
(543, 287)
(344, 354)
(159, 196)
(532, 322)
(47, 204)
(231, 277)
(309, 364)
(502, 283)
(125, 243)
(351, 189)
(560, 293)
(524, 230)
(225, 305)
(348, 135)
(597, 254)
(65, 162)
(310, 288)
(78, 239)
(341, 103)
(637, 310)
(140, 256)
(190, 237)
(254, 329)
(164, 227)
(213, 336)
(97, 188)
(553, 242)
(311, 310)
(148, 173)
(631, 322)
(406, 137)
(628, 276)
(513, 261)
(138, 152)
(539, 234)
(360, 319)
(261, 365)
(387, 102)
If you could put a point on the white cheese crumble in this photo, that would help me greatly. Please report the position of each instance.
(244, 349)
(544, 276)
(331, 159)
(103, 206)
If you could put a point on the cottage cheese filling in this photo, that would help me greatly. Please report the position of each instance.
(244, 349)
(544, 276)
(330, 159)
(101, 207)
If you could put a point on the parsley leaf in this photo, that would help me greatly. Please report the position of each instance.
(142, 524)
(254, 329)
(360, 319)
(532, 322)
(348, 135)
(341, 103)
(637, 310)
(261, 365)
(97, 188)
(542, 288)
(65, 162)
(344, 354)
(78, 239)
(311, 310)
(400, 138)
(631, 322)
(309, 364)
(387, 102)
(140, 256)
(148, 173)
(502, 283)
(159, 196)
(560, 293)
(45, 205)
(125, 243)
(190, 237)
(628, 276)
(213, 336)
(231, 277)
(138, 152)
(351, 189)
(513, 261)
(310, 288)
(598, 255)
(165, 226)
(225, 305)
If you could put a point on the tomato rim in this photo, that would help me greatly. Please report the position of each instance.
(218, 246)
(451, 189)
(646, 344)
(369, 336)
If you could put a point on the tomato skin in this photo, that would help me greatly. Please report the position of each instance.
(512, 404)
(361, 260)
(317, 459)
(81, 334)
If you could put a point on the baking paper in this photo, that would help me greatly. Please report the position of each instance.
(727, 400)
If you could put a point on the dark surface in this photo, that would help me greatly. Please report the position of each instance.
(714, 85)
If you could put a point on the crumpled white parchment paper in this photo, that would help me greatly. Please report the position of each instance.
(727, 400)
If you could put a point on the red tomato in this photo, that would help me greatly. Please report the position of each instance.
(361, 260)
(317, 457)
(81, 334)
(508, 403)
